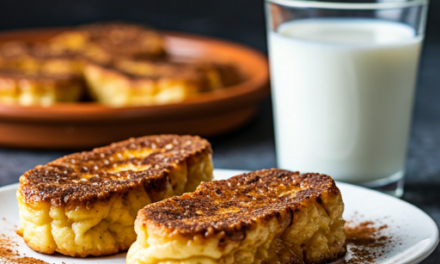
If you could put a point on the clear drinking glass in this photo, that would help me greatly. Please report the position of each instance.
(343, 80)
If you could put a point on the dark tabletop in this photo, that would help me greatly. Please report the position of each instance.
(252, 146)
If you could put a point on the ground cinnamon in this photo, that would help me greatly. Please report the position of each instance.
(9, 255)
(366, 242)
(6, 248)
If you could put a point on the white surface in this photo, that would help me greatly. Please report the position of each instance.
(343, 94)
(413, 228)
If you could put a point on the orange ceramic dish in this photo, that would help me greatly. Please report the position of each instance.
(85, 125)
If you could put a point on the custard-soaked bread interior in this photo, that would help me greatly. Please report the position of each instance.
(86, 203)
(267, 216)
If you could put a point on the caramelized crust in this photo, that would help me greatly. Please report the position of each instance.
(104, 42)
(233, 206)
(86, 177)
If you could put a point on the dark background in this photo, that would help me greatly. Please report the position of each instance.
(251, 147)
(239, 20)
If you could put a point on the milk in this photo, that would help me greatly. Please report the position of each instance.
(343, 93)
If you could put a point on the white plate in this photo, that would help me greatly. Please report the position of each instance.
(416, 231)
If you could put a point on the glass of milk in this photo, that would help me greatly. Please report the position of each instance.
(343, 81)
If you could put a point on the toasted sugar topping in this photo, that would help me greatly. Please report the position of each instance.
(89, 176)
(23, 75)
(158, 71)
(14, 49)
(114, 32)
(21, 50)
(121, 38)
(234, 205)
(166, 68)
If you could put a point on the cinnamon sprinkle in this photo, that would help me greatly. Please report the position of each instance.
(8, 255)
(366, 242)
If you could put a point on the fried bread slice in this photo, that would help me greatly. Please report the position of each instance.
(104, 42)
(131, 82)
(32, 74)
(17, 87)
(86, 203)
(267, 216)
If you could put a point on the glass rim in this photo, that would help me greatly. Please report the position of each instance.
(352, 6)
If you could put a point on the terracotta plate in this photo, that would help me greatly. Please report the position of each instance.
(86, 125)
